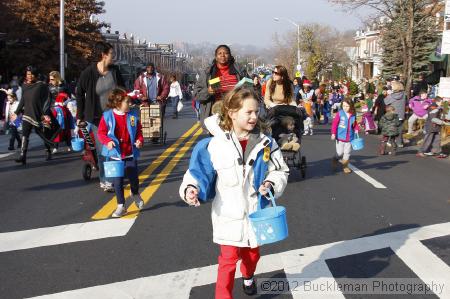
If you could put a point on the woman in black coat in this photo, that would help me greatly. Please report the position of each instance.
(206, 94)
(35, 94)
(379, 107)
(94, 86)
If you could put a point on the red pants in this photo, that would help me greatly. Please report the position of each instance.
(229, 256)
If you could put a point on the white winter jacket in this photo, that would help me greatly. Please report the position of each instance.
(236, 198)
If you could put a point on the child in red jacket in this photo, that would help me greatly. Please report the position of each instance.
(120, 132)
(64, 118)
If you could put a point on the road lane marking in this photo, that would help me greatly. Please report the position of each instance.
(63, 234)
(423, 262)
(107, 210)
(316, 271)
(6, 155)
(308, 261)
(366, 177)
(149, 191)
(94, 230)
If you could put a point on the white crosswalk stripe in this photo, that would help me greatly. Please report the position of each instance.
(306, 262)
(63, 234)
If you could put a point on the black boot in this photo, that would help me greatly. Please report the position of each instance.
(48, 153)
(23, 151)
(249, 290)
(11, 144)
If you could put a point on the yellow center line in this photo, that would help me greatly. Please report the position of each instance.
(107, 210)
(148, 192)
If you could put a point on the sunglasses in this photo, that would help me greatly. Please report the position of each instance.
(276, 73)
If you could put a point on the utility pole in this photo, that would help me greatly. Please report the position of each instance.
(62, 60)
(298, 35)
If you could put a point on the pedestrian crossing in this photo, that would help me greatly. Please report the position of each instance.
(301, 264)
(63, 234)
(104, 228)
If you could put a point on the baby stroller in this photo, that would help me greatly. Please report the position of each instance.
(89, 153)
(275, 115)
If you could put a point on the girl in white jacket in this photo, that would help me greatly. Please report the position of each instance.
(233, 169)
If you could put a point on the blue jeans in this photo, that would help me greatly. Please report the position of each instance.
(131, 171)
(175, 101)
(101, 159)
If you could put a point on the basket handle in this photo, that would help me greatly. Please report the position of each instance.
(272, 199)
(117, 154)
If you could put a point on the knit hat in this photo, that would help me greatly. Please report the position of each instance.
(306, 83)
(61, 98)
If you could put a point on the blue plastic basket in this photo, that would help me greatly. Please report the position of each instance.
(357, 143)
(77, 144)
(269, 224)
(114, 169)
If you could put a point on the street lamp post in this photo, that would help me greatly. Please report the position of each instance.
(298, 35)
(61, 40)
(132, 58)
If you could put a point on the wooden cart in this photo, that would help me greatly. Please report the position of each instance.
(153, 123)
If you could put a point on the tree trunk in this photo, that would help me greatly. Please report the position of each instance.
(409, 47)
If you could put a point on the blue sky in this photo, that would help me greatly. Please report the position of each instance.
(233, 21)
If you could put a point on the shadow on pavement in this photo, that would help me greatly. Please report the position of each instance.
(362, 265)
(63, 185)
(37, 162)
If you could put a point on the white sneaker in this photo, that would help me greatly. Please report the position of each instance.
(120, 211)
(138, 201)
(311, 133)
(54, 151)
(306, 133)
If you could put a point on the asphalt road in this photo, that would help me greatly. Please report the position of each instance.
(46, 200)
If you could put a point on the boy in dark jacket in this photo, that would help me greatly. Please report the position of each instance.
(389, 124)
(432, 141)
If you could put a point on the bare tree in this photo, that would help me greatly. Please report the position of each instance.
(321, 48)
(285, 50)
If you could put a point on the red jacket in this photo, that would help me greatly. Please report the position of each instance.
(65, 134)
(163, 87)
(121, 132)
